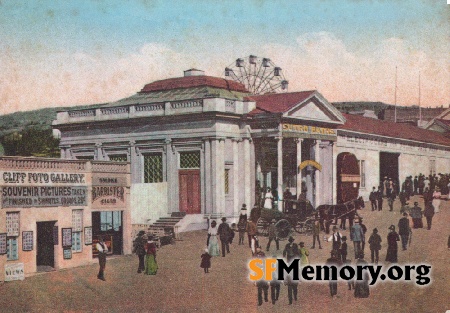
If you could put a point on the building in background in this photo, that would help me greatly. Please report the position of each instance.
(53, 211)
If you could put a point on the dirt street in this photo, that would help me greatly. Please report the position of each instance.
(181, 286)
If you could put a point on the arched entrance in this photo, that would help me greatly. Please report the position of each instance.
(348, 177)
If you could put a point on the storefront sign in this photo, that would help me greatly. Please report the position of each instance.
(308, 130)
(108, 195)
(14, 271)
(109, 181)
(43, 196)
(310, 163)
(13, 177)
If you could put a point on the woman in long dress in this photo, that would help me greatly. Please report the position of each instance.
(392, 249)
(213, 244)
(268, 198)
(362, 286)
(151, 266)
(436, 200)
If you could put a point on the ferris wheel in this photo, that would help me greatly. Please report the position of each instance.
(259, 75)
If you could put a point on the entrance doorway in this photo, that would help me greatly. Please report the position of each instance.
(348, 177)
(108, 224)
(389, 167)
(45, 256)
(189, 191)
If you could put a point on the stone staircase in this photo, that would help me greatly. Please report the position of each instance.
(164, 228)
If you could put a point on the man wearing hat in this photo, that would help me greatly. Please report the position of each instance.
(291, 251)
(374, 245)
(335, 238)
(404, 229)
(139, 248)
(273, 235)
(242, 224)
(224, 232)
(416, 215)
(316, 233)
(102, 249)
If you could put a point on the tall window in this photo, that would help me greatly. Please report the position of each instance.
(190, 159)
(110, 220)
(153, 168)
(432, 167)
(77, 227)
(362, 173)
(12, 233)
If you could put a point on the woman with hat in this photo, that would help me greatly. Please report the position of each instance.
(213, 244)
(392, 249)
(268, 198)
(150, 261)
(436, 200)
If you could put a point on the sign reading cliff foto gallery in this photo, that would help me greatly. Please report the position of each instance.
(42, 189)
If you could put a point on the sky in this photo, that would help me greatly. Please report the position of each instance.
(66, 53)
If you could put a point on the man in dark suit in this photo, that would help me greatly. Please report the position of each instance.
(404, 229)
(380, 199)
(224, 235)
(373, 199)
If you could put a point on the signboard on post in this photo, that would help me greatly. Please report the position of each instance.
(14, 271)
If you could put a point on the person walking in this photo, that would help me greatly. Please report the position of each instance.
(416, 215)
(206, 261)
(316, 234)
(102, 249)
(151, 267)
(333, 260)
(275, 287)
(242, 226)
(273, 235)
(391, 200)
(139, 249)
(343, 250)
(436, 200)
(268, 199)
(392, 249)
(336, 239)
(373, 196)
(357, 236)
(263, 286)
(304, 253)
(251, 231)
(404, 230)
(380, 199)
(375, 246)
(291, 250)
(362, 286)
(429, 213)
(212, 242)
(224, 234)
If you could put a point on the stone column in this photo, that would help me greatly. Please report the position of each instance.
(169, 167)
(247, 172)
(299, 142)
(207, 181)
(280, 172)
(99, 152)
(236, 185)
(135, 174)
(318, 174)
(218, 171)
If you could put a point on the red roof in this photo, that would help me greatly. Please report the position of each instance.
(445, 122)
(278, 102)
(390, 129)
(194, 81)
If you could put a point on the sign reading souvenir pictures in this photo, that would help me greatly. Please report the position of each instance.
(43, 196)
(88, 236)
(67, 253)
(66, 237)
(14, 271)
(3, 243)
(27, 240)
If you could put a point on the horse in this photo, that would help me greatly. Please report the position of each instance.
(330, 212)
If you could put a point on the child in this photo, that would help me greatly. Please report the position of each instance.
(343, 249)
(206, 261)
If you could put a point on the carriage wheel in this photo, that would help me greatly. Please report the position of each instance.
(262, 227)
(305, 227)
(283, 229)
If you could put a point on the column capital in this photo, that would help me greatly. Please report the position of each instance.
(167, 141)
(98, 145)
(235, 139)
(132, 143)
(298, 140)
(277, 138)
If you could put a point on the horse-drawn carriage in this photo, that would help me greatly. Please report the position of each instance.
(299, 217)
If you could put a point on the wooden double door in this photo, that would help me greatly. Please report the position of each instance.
(189, 181)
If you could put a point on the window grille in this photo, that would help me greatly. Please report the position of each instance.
(432, 167)
(227, 181)
(77, 220)
(12, 224)
(118, 158)
(153, 168)
(76, 242)
(12, 250)
(190, 159)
